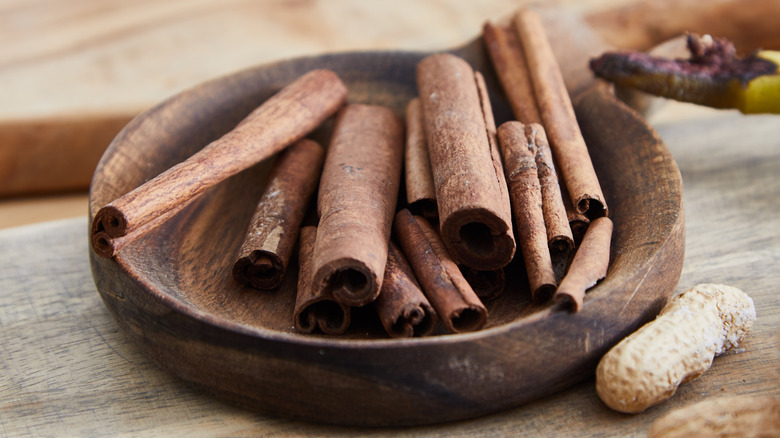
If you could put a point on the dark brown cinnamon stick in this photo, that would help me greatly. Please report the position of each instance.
(356, 202)
(488, 285)
(589, 265)
(315, 308)
(401, 305)
(456, 304)
(420, 191)
(475, 217)
(555, 107)
(556, 220)
(519, 151)
(284, 118)
(273, 229)
(508, 59)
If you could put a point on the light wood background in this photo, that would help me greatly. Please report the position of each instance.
(66, 370)
(73, 72)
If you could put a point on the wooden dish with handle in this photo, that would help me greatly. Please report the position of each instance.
(172, 292)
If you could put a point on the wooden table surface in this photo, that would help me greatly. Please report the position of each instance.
(66, 369)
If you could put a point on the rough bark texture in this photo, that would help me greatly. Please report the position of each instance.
(272, 233)
(356, 203)
(474, 215)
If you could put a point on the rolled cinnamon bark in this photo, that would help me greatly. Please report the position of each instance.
(555, 107)
(556, 220)
(401, 305)
(273, 229)
(578, 222)
(589, 265)
(456, 304)
(488, 285)
(356, 202)
(519, 149)
(475, 217)
(508, 59)
(495, 150)
(284, 118)
(420, 192)
(315, 308)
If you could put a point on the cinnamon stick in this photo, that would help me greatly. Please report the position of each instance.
(495, 150)
(488, 285)
(315, 308)
(420, 191)
(508, 60)
(475, 218)
(284, 118)
(555, 107)
(401, 305)
(356, 202)
(273, 229)
(559, 234)
(456, 304)
(578, 222)
(519, 149)
(589, 265)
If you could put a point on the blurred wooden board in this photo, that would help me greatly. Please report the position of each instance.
(67, 370)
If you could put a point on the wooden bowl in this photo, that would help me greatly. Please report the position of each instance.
(173, 295)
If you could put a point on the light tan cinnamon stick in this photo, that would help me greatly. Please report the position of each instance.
(315, 308)
(420, 191)
(475, 218)
(508, 59)
(402, 307)
(456, 304)
(555, 107)
(519, 149)
(556, 220)
(284, 118)
(356, 202)
(273, 229)
(589, 265)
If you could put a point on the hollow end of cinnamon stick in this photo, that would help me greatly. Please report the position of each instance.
(349, 281)
(478, 238)
(260, 269)
(314, 307)
(102, 244)
(488, 285)
(414, 321)
(109, 223)
(561, 246)
(590, 206)
(329, 316)
(543, 293)
(578, 229)
(401, 305)
(468, 319)
(111, 220)
(426, 208)
(571, 301)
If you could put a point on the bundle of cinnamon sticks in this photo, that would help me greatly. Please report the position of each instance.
(476, 195)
